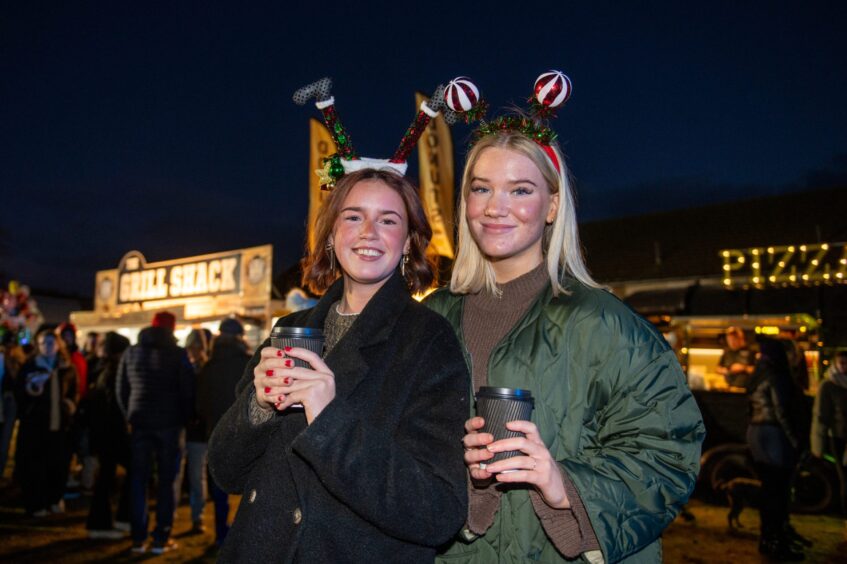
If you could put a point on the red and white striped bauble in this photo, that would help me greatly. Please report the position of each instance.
(552, 89)
(461, 95)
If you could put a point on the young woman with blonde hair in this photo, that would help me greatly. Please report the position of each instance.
(612, 449)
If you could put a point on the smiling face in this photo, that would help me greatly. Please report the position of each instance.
(370, 236)
(508, 206)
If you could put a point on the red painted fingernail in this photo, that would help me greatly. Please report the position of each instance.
(287, 349)
(278, 353)
(269, 373)
(267, 390)
(286, 380)
(281, 398)
(289, 363)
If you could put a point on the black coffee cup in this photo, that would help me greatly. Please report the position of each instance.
(302, 337)
(498, 406)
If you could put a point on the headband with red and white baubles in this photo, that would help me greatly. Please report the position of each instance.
(552, 89)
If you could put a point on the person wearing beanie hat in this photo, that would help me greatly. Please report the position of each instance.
(197, 347)
(165, 320)
(215, 394)
(231, 326)
(155, 391)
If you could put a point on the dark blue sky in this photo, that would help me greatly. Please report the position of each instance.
(168, 127)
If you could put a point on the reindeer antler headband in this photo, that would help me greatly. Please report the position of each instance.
(552, 90)
(346, 159)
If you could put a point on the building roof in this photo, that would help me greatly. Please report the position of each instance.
(686, 243)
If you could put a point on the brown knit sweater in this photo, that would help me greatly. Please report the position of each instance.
(486, 320)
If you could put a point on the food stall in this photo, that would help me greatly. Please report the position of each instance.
(703, 343)
(200, 291)
(796, 293)
(790, 292)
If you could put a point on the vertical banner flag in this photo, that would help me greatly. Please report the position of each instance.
(321, 146)
(435, 163)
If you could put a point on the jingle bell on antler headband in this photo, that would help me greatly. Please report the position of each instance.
(346, 160)
(552, 89)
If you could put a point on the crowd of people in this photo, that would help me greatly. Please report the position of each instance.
(83, 413)
(372, 450)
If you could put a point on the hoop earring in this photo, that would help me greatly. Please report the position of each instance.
(329, 250)
(403, 264)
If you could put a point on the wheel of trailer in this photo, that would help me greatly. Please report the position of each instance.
(814, 487)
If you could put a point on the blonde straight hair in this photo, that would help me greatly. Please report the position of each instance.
(473, 272)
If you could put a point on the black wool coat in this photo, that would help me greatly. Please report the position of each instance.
(378, 476)
(218, 380)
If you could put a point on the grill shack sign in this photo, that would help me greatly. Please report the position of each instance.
(139, 283)
(232, 281)
(788, 265)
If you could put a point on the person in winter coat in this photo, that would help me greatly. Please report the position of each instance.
(109, 441)
(12, 358)
(370, 468)
(46, 396)
(155, 392)
(80, 431)
(829, 421)
(611, 452)
(215, 394)
(197, 348)
(774, 444)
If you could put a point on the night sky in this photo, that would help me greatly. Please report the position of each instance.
(168, 127)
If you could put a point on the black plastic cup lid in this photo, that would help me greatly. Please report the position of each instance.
(304, 332)
(504, 393)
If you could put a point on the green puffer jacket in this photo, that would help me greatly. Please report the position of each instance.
(613, 408)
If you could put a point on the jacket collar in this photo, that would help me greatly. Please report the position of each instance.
(156, 337)
(373, 326)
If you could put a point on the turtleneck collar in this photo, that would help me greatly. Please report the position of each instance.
(514, 293)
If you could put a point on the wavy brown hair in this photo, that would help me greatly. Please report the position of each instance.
(317, 274)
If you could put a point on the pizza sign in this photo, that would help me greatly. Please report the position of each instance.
(808, 264)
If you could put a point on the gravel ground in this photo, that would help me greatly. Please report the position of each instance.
(62, 538)
(707, 538)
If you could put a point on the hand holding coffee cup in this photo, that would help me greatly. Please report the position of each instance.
(494, 407)
(312, 389)
(309, 338)
(498, 406)
(292, 375)
(510, 449)
(270, 375)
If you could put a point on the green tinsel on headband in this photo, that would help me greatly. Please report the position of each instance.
(538, 133)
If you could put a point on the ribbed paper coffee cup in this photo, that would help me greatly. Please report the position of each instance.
(499, 406)
(301, 337)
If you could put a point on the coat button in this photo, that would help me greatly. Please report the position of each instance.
(298, 516)
(252, 497)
